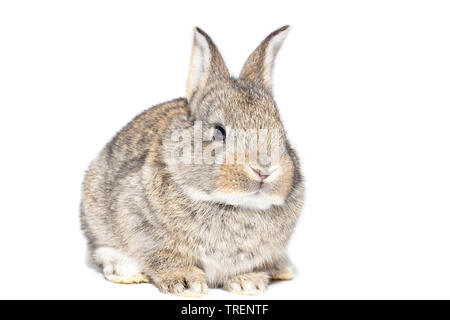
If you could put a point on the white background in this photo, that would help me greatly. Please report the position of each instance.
(362, 87)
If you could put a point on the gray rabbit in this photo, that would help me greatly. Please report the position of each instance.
(186, 225)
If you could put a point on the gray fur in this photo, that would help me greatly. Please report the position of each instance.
(134, 200)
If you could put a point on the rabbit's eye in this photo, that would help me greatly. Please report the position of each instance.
(219, 133)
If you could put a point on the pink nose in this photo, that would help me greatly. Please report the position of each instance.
(260, 173)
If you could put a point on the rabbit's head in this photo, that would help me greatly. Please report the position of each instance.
(238, 154)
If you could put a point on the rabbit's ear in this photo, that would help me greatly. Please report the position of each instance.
(206, 65)
(259, 65)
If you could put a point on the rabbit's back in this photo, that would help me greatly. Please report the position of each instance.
(111, 174)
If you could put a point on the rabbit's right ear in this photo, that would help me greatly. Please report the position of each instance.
(206, 65)
(258, 67)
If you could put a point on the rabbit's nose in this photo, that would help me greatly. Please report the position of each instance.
(263, 173)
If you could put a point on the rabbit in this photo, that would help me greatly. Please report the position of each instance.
(186, 226)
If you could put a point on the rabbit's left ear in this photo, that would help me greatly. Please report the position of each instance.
(259, 65)
(206, 66)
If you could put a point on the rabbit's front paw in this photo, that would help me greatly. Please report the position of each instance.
(248, 283)
(185, 282)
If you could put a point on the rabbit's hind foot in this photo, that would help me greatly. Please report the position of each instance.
(283, 274)
(118, 267)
